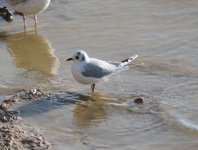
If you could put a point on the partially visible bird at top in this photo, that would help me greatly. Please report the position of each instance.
(29, 7)
(88, 70)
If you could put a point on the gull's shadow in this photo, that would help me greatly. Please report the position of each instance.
(32, 51)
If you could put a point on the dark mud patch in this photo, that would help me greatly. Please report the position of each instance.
(9, 116)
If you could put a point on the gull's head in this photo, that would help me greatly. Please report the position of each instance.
(79, 56)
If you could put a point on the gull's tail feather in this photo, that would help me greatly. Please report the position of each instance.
(128, 60)
(123, 64)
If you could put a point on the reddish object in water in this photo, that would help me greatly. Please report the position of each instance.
(139, 100)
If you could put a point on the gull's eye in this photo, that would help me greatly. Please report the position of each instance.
(77, 57)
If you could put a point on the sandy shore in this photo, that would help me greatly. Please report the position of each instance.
(13, 135)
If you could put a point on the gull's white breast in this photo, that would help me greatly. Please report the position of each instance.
(76, 70)
(30, 7)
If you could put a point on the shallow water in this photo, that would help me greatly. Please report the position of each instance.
(161, 32)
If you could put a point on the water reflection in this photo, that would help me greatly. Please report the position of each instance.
(32, 51)
(91, 110)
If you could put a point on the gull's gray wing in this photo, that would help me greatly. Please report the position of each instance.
(114, 63)
(96, 71)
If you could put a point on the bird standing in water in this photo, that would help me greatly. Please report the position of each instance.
(29, 7)
(88, 70)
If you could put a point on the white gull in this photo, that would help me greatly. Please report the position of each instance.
(91, 70)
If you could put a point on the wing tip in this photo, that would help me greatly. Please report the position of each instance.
(134, 57)
(128, 60)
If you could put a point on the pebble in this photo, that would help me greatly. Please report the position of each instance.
(139, 100)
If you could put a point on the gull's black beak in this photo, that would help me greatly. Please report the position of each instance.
(69, 59)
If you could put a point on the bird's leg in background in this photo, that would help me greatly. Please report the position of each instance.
(93, 87)
(24, 22)
(35, 21)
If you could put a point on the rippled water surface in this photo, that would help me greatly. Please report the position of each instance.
(164, 35)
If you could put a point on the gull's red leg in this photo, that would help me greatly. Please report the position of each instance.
(93, 87)
(35, 20)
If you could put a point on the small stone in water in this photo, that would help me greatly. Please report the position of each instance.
(139, 100)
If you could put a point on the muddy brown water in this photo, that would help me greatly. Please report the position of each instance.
(164, 35)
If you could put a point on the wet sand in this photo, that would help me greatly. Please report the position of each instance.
(14, 134)
(88, 111)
